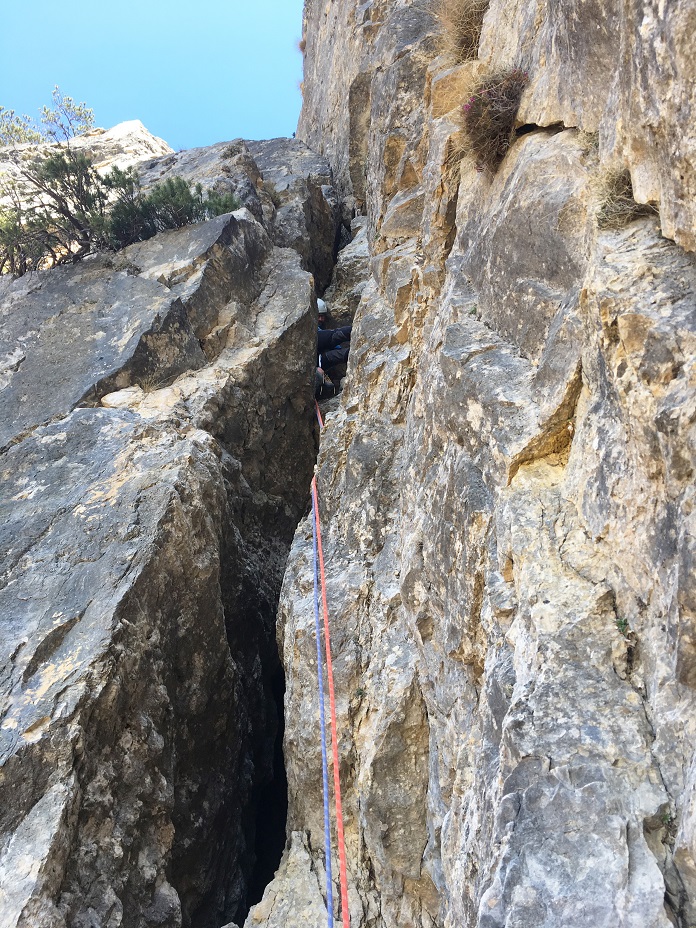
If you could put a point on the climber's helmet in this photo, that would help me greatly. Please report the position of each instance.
(322, 312)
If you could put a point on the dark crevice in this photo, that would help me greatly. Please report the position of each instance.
(246, 841)
(271, 808)
(528, 128)
(344, 237)
(250, 618)
(451, 225)
(248, 838)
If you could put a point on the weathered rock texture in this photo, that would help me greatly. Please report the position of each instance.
(281, 181)
(507, 488)
(158, 440)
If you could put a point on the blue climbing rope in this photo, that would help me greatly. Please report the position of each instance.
(322, 719)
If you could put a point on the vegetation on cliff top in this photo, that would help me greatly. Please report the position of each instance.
(64, 120)
(58, 209)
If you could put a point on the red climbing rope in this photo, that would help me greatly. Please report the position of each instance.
(322, 728)
(332, 707)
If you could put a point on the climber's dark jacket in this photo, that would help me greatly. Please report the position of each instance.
(330, 348)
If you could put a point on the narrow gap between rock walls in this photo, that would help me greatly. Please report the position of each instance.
(266, 830)
(271, 803)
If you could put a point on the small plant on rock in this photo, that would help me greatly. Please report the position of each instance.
(623, 627)
(488, 117)
(614, 197)
(460, 22)
(232, 150)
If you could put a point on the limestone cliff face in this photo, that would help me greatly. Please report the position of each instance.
(157, 442)
(506, 489)
(507, 486)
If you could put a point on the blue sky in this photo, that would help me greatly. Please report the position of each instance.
(195, 73)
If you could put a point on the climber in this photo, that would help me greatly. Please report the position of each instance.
(332, 351)
(331, 343)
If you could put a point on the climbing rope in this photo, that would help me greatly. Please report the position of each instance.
(322, 721)
(332, 706)
(319, 554)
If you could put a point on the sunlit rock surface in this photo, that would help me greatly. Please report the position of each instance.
(126, 145)
(507, 484)
(506, 490)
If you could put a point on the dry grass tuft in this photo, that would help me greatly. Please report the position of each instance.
(488, 117)
(589, 141)
(232, 150)
(615, 206)
(460, 27)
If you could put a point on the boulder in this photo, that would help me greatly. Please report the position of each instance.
(308, 209)
(158, 446)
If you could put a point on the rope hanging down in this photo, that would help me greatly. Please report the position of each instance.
(322, 721)
(343, 870)
(332, 706)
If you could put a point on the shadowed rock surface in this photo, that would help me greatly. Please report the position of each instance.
(159, 441)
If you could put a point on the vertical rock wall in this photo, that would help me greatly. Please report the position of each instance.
(507, 486)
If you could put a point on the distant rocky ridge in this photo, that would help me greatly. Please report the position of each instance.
(123, 146)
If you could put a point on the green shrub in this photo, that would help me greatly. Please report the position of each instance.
(129, 220)
(22, 244)
(174, 204)
(61, 210)
(65, 119)
(60, 122)
(67, 196)
(54, 212)
(17, 130)
(488, 117)
(216, 204)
